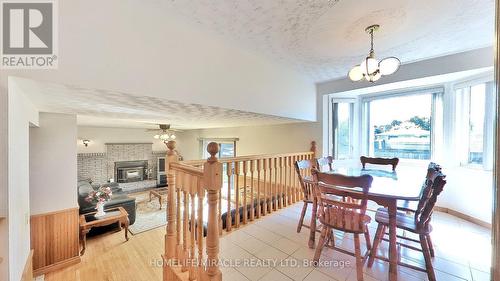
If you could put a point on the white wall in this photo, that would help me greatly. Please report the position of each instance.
(21, 113)
(99, 136)
(294, 137)
(53, 175)
(4, 231)
(148, 50)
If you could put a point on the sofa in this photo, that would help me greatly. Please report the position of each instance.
(118, 199)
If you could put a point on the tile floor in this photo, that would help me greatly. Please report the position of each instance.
(274, 251)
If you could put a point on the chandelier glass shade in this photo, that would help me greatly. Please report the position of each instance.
(165, 136)
(372, 69)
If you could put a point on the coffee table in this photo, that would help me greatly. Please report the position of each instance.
(160, 193)
(113, 215)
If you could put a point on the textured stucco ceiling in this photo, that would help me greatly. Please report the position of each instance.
(323, 39)
(105, 108)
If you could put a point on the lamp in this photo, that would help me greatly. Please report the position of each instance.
(86, 142)
(370, 68)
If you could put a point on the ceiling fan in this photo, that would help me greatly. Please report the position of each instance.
(164, 133)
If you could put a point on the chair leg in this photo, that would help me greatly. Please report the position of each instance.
(376, 242)
(431, 246)
(321, 244)
(368, 240)
(302, 215)
(332, 238)
(359, 259)
(427, 257)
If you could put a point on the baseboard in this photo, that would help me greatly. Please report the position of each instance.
(56, 266)
(463, 216)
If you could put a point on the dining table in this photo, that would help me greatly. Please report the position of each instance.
(388, 188)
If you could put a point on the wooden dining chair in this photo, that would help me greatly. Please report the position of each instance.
(303, 169)
(379, 161)
(418, 224)
(325, 163)
(335, 213)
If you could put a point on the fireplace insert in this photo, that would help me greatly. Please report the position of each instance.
(131, 171)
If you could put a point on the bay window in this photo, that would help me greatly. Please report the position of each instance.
(403, 125)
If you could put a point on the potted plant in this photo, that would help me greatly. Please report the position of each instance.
(99, 197)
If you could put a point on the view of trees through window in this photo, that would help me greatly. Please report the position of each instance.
(401, 127)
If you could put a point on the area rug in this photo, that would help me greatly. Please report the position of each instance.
(148, 214)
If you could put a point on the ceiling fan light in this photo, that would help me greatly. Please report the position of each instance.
(156, 137)
(172, 136)
(389, 65)
(164, 137)
(355, 74)
(369, 65)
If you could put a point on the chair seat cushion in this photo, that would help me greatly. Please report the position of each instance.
(345, 220)
(403, 221)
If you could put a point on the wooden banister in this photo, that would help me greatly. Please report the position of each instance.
(253, 186)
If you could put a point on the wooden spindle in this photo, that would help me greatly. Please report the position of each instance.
(237, 193)
(219, 205)
(229, 172)
(170, 237)
(179, 228)
(281, 191)
(275, 181)
(258, 163)
(265, 185)
(245, 210)
(185, 228)
(252, 199)
(213, 182)
(192, 191)
(200, 226)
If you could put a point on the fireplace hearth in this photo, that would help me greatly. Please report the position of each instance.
(131, 171)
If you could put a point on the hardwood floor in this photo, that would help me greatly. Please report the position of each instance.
(108, 257)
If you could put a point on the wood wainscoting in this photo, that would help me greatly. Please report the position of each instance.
(55, 240)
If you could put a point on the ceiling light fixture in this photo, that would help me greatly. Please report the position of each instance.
(86, 142)
(166, 134)
(370, 68)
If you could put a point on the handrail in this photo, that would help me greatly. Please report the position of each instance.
(194, 171)
(246, 158)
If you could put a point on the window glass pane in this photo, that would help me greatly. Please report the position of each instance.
(226, 150)
(401, 126)
(476, 123)
(343, 131)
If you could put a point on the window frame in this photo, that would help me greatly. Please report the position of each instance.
(332, 147)
(462, 114)
(437, 118)
(205, 141)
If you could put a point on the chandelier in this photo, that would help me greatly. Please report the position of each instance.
(165, 133)
(370, 68)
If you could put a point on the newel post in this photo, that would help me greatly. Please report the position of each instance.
(212, 180)
(314, 149)
(170, 237)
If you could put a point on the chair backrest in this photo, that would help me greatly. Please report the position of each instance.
(379, 161)
(325, 163)
(328, 184)
(303, 169)
(432, 187)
